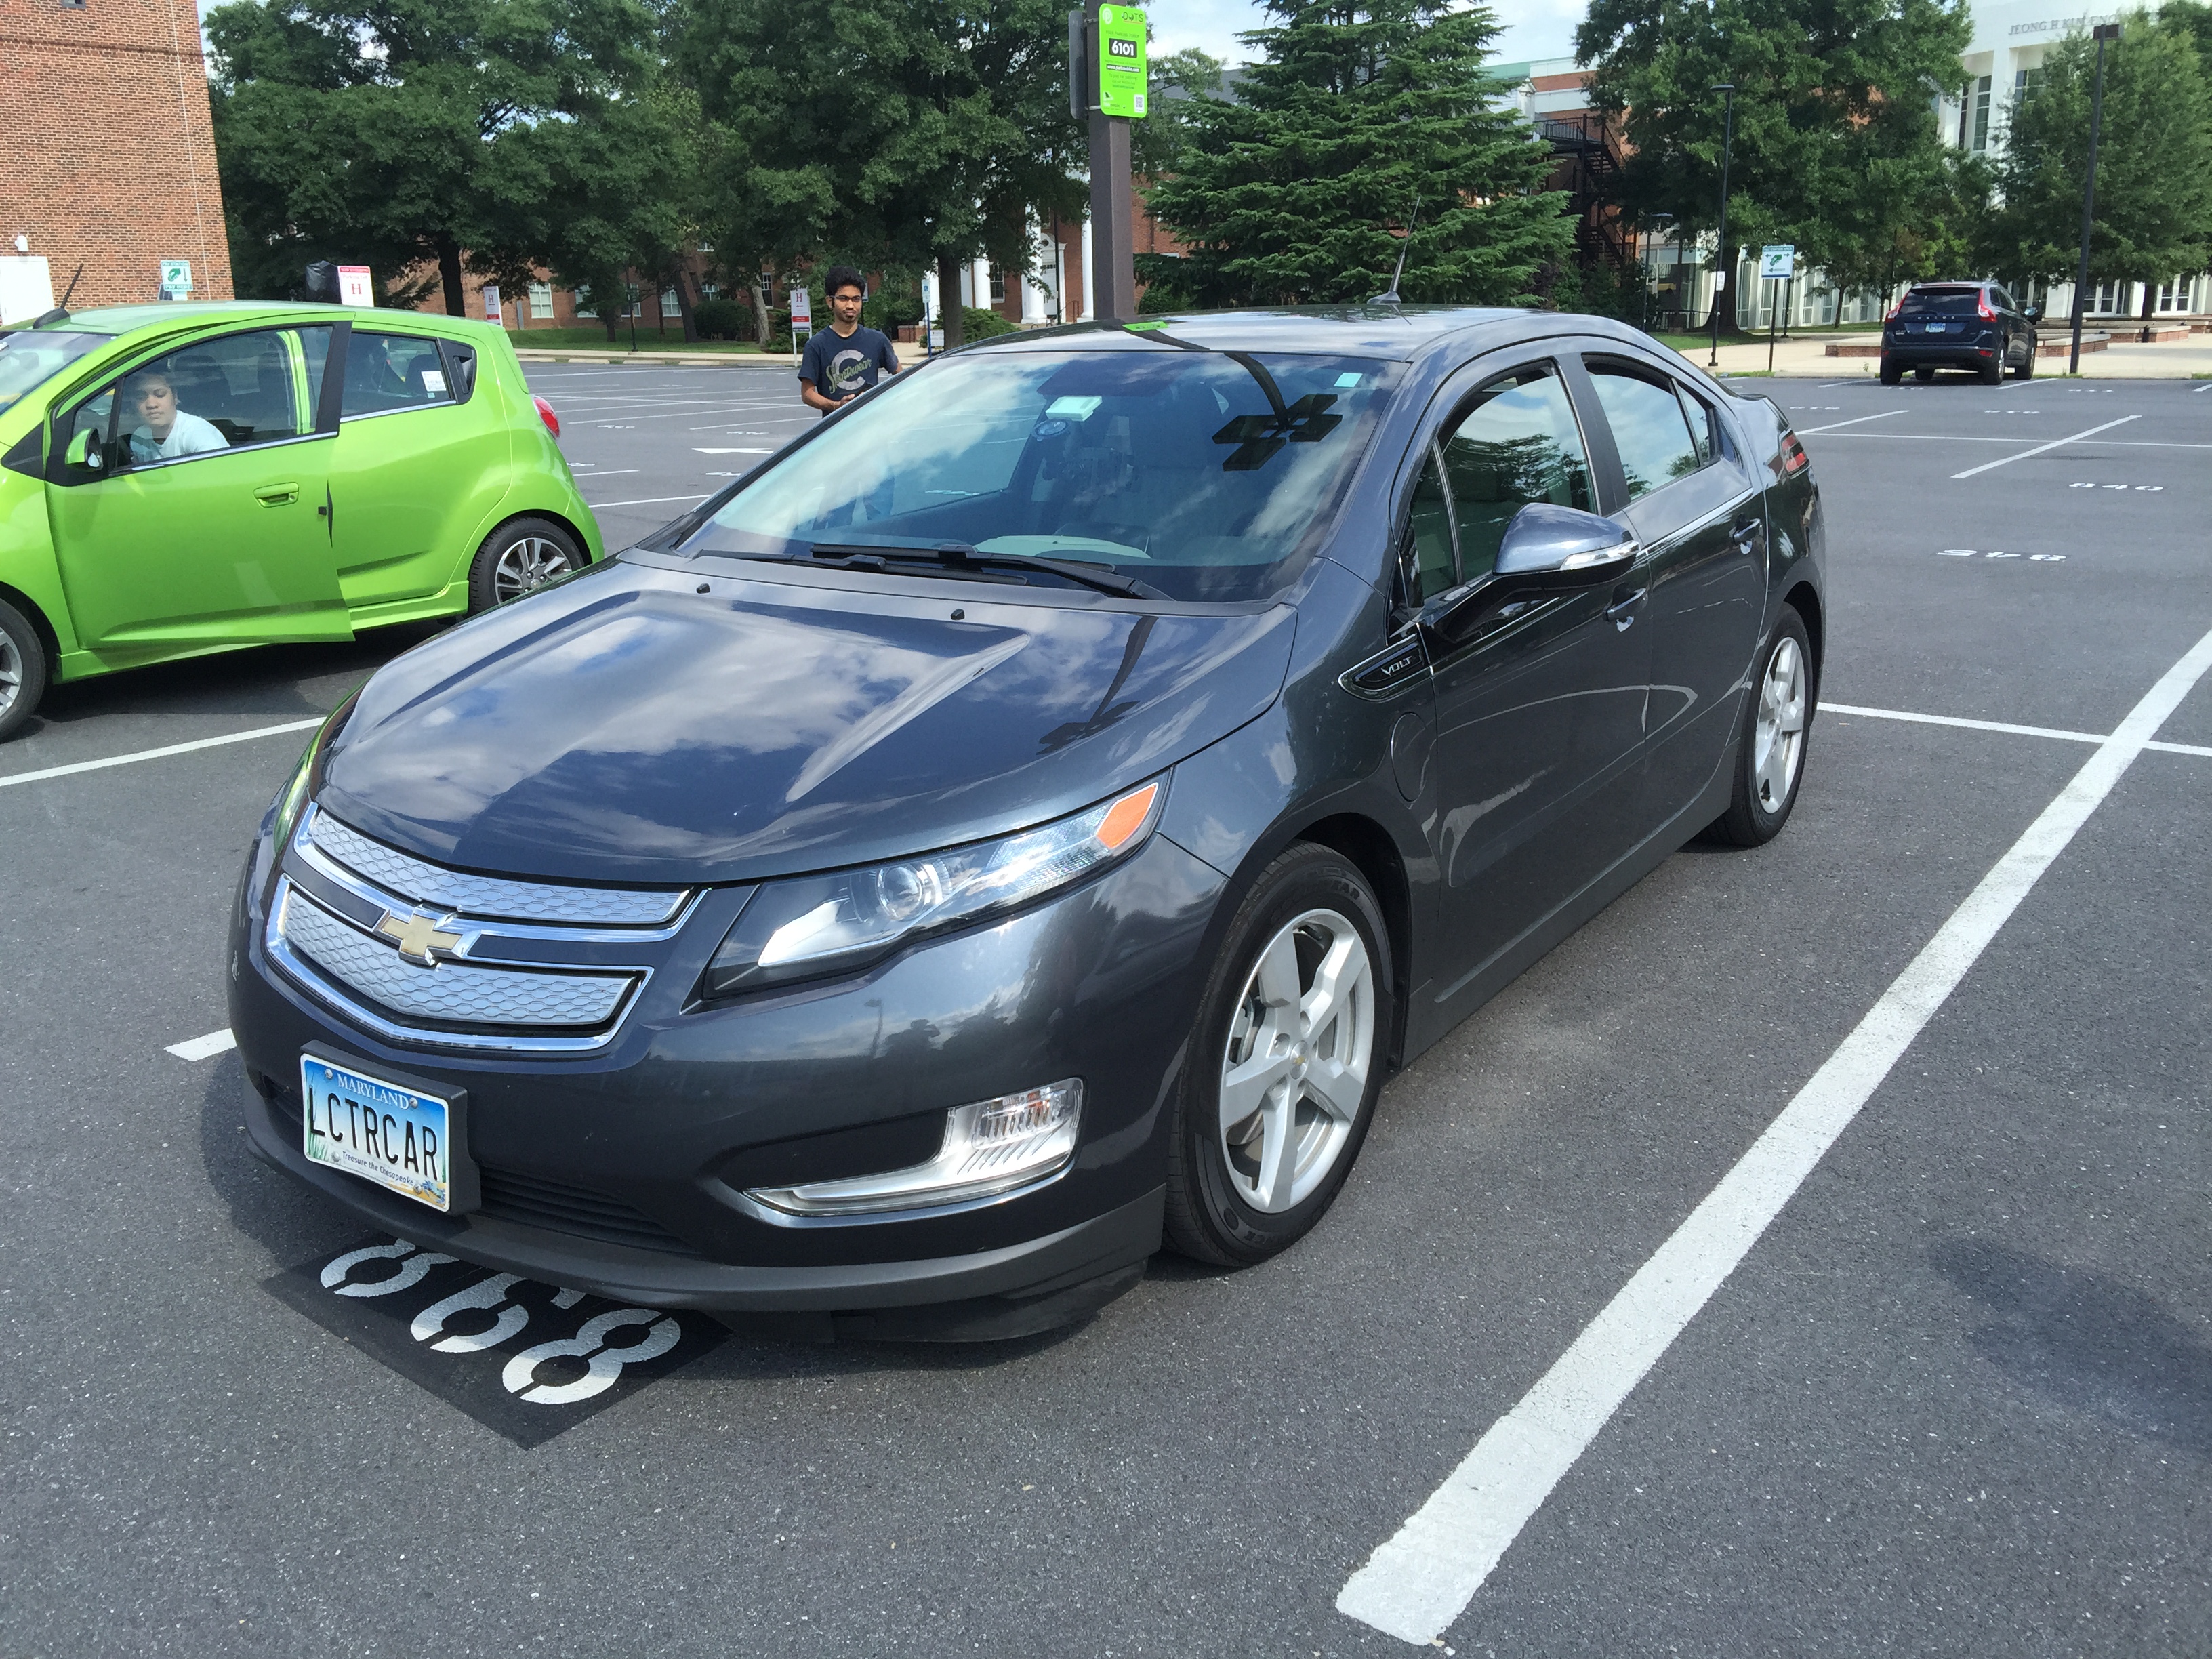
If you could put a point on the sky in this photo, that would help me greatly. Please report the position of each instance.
(1531, 28)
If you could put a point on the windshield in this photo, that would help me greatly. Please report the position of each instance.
(1940, 303)
(28, 357)
(1201, 475)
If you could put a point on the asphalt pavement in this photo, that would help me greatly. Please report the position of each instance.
(1956, 1398)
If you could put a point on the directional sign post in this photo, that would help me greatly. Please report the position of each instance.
(1108, 84)
(1777, 262)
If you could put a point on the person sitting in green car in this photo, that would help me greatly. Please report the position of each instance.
(164, 431)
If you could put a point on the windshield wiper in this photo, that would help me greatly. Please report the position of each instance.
(956, 556)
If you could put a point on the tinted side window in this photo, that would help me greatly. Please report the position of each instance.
(1517, 443)
(384, 371)
(1705, 435)
(1648, 429)
(1429, 566)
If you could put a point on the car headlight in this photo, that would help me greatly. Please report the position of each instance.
(300, 786)
(817, 925)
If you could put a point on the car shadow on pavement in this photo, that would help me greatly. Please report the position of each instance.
(263, 681)
(2096, 1345)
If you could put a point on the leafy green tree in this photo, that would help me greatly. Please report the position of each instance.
(1368, 126)
(1836, 147)
(2154, 207)
(890, 133)
(382, 130)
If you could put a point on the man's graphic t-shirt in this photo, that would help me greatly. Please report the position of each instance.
(840, 364)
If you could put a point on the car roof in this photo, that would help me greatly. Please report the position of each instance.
(1391, 331)
(124, 320)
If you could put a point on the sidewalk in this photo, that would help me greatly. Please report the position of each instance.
(1806, 358)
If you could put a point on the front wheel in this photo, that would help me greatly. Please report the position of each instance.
(23, 670)
(1291, 1041)
(1770, 747)
(520, 557)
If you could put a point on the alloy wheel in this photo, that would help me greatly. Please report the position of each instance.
(1295, 1069)
(526, 564)
(1779, 735)
(11, 673)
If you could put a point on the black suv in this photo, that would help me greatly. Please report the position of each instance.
(1975, 325)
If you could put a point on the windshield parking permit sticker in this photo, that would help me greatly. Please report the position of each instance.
(524, 1359)
(1072, 409)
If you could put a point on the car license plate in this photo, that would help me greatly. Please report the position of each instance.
(395, 1136)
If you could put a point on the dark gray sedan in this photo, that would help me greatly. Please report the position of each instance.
(1026, 821)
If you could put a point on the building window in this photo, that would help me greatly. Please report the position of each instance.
(671, 304)
(998, 286)
(541, 300)
(1981, 114)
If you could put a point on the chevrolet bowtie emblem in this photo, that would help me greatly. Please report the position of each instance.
(420, 938)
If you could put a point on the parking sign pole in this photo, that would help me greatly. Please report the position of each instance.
(1109, 81)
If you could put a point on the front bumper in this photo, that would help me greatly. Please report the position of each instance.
(618, 1171)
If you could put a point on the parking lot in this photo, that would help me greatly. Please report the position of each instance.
(1955, 1397)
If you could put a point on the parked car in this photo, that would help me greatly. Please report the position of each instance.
(1029, 818)
(1976, 325)
(178, 479)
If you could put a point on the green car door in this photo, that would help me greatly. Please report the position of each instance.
(188, 499)
(421, 463)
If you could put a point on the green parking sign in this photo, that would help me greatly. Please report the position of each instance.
(1122, 71)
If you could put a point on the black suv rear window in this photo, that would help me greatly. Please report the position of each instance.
(1939, 303)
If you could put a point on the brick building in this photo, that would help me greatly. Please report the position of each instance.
(112, 154)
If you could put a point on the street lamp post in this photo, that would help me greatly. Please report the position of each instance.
(1727, 284)
(2103, 31)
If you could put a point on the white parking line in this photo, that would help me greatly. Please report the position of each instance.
(1420, 1581)
(704, 450)
(2040, 449)
(205, 1048)
(159, 754)
(1839, 425)
(2002, 726)
(649, 500)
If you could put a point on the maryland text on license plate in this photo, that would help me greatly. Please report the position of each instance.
(382, 1131)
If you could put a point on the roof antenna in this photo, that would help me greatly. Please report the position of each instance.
(1389, 295)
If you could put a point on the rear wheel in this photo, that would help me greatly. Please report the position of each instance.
(2026, 369)
(1891, 373)
(1993, 370)
(520, 557)
(1771, 748)
(23, 670)
(1292, 1042)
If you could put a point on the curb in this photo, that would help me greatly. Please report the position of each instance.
(661, 359)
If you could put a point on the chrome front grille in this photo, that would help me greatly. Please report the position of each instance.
(419, 953)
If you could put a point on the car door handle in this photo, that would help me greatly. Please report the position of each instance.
(1742, 536)
(277, 495)
(1621, 612)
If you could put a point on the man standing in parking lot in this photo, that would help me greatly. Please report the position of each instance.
(843, 359)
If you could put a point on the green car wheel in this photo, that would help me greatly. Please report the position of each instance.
(22, 670)
(520, 557)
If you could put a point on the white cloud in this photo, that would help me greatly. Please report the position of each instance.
(1529, 28)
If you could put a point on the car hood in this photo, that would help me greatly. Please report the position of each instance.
(625, 727)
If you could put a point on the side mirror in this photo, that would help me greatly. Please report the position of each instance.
(1546, 550)
(2033, 314)
(83, 452)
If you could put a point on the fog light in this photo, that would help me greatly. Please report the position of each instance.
(992, 1149)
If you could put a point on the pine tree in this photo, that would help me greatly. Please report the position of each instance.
(1363, 118)
(1836, 148)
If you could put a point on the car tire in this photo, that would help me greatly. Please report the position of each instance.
(1993, 371)
(23, 670)
(2026, 369)
(1891, 373)
(520, 557)
(1924, 376)
(1770, 748)
(1243, 1185)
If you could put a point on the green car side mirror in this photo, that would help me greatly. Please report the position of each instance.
(83, 452)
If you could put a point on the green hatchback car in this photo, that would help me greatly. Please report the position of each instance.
(180, 479)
